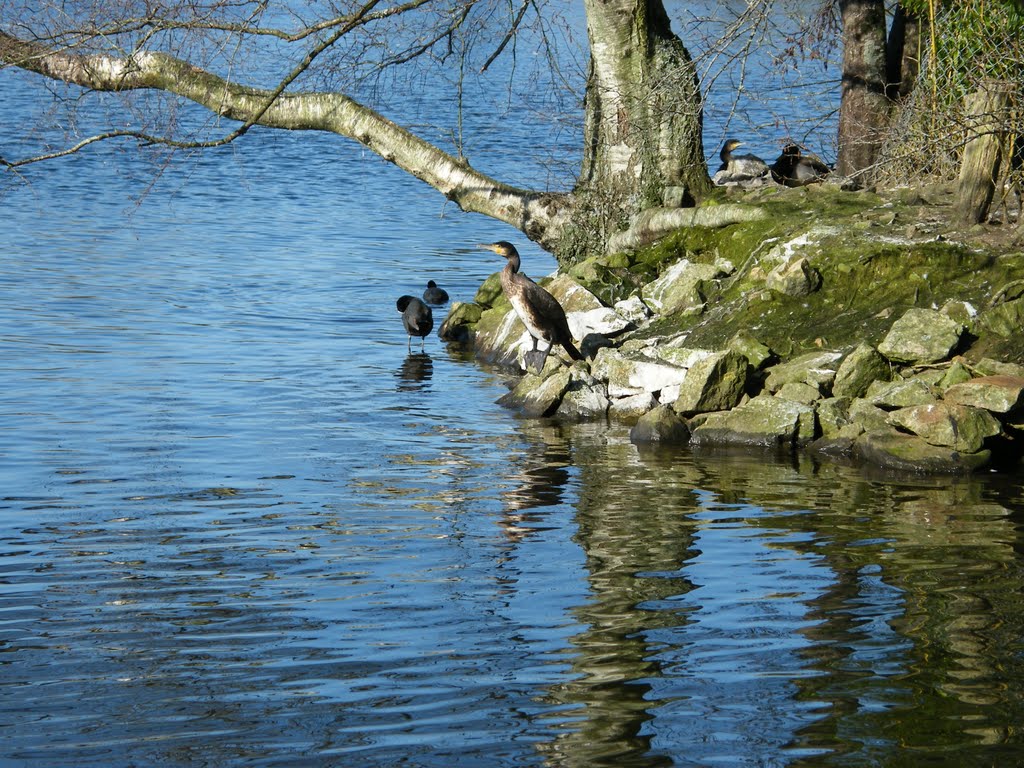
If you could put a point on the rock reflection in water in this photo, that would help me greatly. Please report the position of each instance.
(837, 613)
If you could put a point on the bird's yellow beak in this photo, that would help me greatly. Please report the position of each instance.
(488, 246)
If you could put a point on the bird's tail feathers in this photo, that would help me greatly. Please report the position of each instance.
(573, 352)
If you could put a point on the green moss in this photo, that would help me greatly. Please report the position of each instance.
(871, 275)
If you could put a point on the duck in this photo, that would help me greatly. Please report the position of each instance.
(416, 317)
(739, 167)
(434, 294)
(795, 169)
(540, 312)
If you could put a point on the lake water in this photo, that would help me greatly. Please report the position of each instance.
(242, 524)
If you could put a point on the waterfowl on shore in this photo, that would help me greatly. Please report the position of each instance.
(416, 317)
(739, 167)
(540, 312)
(795, 169)
(435, 295)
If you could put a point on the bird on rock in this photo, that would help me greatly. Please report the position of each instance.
(434, 294)
(416, 317)
(795, 169)
(540, 312)
(739, 167)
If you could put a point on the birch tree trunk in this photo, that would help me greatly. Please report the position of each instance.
(642, 121)
(643, 114)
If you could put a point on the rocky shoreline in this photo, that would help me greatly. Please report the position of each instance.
(784, 334)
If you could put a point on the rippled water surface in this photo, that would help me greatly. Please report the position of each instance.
(242, 524)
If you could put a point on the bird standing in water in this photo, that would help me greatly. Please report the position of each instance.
(416, 317)
(434, 294)
(540, 312)
(740, 167)
(795, 169)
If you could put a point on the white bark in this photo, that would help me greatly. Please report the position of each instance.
(538, 215)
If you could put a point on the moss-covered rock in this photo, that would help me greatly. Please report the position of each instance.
(762, 421)
(536, 395)
(998, 394)
(921, 336)
(714, 383)
(461, 322)
(911, 454)
(959, 427)
(815, 368)
(859, 369)
(660, 425)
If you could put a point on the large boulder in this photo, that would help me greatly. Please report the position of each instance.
(921, 336)
(714, 383)
(679, 288)
(858, 370)
(585, 399)
(462, 319)
(998, 394)
(910, 453)
(660, 425)
(762, 421)
(815, 368)
(959, 427)
(902, 393)
(536, 395)
(634, 371)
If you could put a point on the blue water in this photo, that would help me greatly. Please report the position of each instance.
(242, 523)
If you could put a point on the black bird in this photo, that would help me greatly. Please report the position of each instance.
(540, 312)
(416, 317)
(795, 169)
(434, 295)
(740, 167)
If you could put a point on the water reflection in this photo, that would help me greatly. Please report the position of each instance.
(798, 611)
(538, 478)
(415, 372)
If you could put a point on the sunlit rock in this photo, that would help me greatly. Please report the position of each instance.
(634, 373)
(960, 427)
(586, 397)
(859, 369)
(867, 415)
(794, 278)
(998, 394)
(921, 336)
(714, 382)
(537, 395)
(815, 368)
(799, 392)
(679, 288)
(762, 421)
(629, 409)
(757, 354)
(901, 393)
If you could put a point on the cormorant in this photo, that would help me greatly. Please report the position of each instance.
(416, 317)
(434, 295)
(540, 312)
(739, 167)
(795, 169)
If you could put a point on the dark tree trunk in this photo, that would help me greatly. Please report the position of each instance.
(903, 57)
(864, 108)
